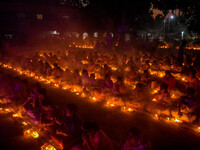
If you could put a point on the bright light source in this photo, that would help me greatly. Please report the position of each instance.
(85, 35)
(95, 34)
(172, 17)
(182, 34)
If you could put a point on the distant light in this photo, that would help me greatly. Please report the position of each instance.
(112, 35)
(39, 16)
(182, 34)
(54, 32)
(85, 35)
(172, 16)
(95, 34)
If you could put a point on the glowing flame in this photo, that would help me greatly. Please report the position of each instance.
(8, 110)
(161, 75)
(114, 68)
(77, 93)
(156, 116)
(17, 115)
(83, 95)
(35, 134)
(112, 105)
(94, 98)
(154, 100)
(47, 146)
(130, 109)
(177, 120)
(56, 85)
(74, 90)
(155, 91)
(31, 132)
(24, 123)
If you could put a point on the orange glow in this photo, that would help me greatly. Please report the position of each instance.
(47, 146)
(31, 132)
(24, 123)
(154, 100)
(177, 120)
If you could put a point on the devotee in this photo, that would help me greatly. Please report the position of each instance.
(169, 80)
(94, 138)
(106, 85)
(70, 129)
(119, 88)
(155, 65)
(85, 79)
(20, 92)
(136, 141)
(130, 61)
(187, 103)
(137, 63)
(57, 72)
(71, 123)
(76, 77)
(131, 75)
(192, 81)
(47, 69)
(145, 77)
(93, 82)
(32, 105)
(107, 69)
(162, 95)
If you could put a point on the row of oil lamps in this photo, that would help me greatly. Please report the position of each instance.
(77, 90)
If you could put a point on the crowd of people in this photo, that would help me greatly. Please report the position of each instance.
(151, 83)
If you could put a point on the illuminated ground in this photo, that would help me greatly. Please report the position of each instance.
(12, 138)
(115, 123)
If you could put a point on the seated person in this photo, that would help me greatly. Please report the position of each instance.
(32, 105)
(119, 87)
(146, 65)
(162, 95)
(47, 116)
(193, 82)
(67, 76)
(20, 92)
(185, 109)
(47, 69)
(107, 69)
(94, 138)
(85, 79)
(76, 77)
(187, 102)
(106, 85)
(57, 72)
(130, 61)
(145, 76)
(137, 63)
(131, 75)
(155, 66)
(91, 66)
(71, 125)
(169, 80)
(136, 141)
(93, 82)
